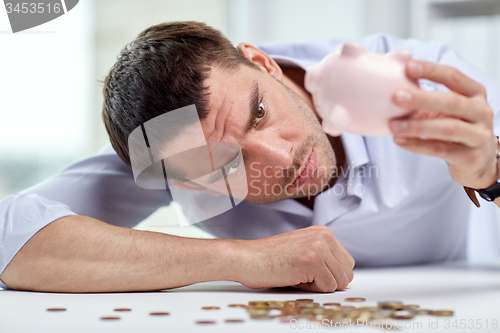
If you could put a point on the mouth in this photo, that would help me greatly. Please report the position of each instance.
(309, 167)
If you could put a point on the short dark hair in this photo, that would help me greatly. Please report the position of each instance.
(162, 70)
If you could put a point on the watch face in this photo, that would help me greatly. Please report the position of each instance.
(485, 196)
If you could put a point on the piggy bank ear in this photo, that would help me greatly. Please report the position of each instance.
(402, 56)
(352, 50)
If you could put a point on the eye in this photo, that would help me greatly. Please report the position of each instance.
(260, 113)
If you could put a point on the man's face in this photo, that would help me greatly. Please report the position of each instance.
(285, 151)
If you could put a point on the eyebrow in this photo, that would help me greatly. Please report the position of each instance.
(254, 106)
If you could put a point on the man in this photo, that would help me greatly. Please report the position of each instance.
(67, 235)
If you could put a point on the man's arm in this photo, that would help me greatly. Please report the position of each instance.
(81, 254)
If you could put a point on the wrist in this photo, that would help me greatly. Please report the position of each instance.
(229, 258)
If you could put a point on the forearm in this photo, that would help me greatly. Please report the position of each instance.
(81, 254)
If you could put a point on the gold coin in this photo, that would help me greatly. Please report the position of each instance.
(210, 308)
(410, 306)
(331, 304)
(382, 314)
(422, 312)
(355, 299)
(56, 309)
(403, 315)
(309, 305)
(234, 320)
(391, 305)
(122, 310)
(308, 300)
(110, 318)
(369, 308)
(159, 313)
(237, 306)
(205, 321)
(442, 313)
(257, 303)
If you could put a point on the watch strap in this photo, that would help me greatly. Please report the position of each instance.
(491, 192)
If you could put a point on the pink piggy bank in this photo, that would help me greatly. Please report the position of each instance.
(352, 91)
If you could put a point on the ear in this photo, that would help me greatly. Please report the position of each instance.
(261, 59)
(188, 186)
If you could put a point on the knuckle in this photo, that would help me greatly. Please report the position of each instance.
(450, 129)
(454, 102)
(485, 111)
(455, 75)
(481, 89)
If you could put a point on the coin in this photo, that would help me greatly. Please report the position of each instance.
(355, 299)
(410, 306)
(422, 312)
(56, 309)
(205, 321)
(369, 308)
(442, 313)
(257, 303)
(110, 318)
(210, 308)
(391, 305)
(159, 313)
(331, 304)
(234, 320)
(237, 306)
(122, 310)
(304, 300)
(403, 315)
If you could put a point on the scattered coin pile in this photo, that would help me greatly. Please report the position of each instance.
(306, 308)
(287, 311)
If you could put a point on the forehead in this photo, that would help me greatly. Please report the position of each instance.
(228, 97)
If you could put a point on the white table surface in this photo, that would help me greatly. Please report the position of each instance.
(471, 290)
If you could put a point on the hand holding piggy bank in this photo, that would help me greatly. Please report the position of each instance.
(352, 91)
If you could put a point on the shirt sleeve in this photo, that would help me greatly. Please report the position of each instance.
(101, 187)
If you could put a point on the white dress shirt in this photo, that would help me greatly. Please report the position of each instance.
(407, 211)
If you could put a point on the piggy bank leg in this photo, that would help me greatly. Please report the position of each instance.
(337, 121)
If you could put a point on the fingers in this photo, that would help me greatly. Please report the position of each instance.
(450, 152)
(338, 252)
(323, 282)
(449, 76)
(444, 129)
(338, 272)
(452, 104)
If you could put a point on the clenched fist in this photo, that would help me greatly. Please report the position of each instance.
(311, 259)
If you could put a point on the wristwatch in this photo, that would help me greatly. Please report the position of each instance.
(490, 193)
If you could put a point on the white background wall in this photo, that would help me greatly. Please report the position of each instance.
(49, 76)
